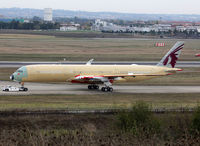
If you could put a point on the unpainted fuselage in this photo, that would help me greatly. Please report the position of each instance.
(67, 73)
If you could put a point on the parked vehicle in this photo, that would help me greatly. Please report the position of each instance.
(14, 89)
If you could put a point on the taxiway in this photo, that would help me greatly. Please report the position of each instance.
(76, 89)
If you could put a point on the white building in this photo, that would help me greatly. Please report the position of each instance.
(162, 27)
(180, 28)
(143, 29)
(48, 14)
(98, 22)
(191, 28)
(198, 29)
(99, 25)
(26, 21)
(69, 27)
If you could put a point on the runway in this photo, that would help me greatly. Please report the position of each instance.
(19, 64)
(76, 89)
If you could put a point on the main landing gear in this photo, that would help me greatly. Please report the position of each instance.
(104, 89)
(93, 87)
(107, 89)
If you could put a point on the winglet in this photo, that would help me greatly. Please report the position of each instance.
(90, 62)
(172, 56)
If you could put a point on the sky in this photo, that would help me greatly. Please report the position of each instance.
(125, 6)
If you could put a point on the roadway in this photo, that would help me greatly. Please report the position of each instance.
(76, 89)
(19, 64)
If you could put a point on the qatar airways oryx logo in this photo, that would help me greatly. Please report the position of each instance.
(173, 56)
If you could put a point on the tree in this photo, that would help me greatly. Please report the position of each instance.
(36, 18)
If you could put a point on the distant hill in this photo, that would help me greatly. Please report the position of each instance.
(29, 13)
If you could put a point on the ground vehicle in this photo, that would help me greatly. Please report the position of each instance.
(23, 89)
(14, 89)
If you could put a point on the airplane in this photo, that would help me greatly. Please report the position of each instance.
(94, 75)
(197, 55)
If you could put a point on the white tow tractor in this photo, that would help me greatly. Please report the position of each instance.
(14, 89)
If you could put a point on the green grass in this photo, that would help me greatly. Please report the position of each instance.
(5, 73)
(48, 48)
(105, 101)
(78, 57)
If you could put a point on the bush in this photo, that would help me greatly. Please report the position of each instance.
(196, 121)
(139, 121)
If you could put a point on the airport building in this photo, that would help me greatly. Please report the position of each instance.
(104, 26)
(69, 27)
(48, 14)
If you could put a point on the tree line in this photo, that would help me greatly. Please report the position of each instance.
(35, 25)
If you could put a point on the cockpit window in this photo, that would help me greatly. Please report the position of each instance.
(20, 71)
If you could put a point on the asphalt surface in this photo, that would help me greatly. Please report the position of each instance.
(19, 64)
(76, 89)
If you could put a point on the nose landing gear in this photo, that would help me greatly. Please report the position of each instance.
(22, 88)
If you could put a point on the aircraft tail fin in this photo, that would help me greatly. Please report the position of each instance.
(90, 62)
(172, 56)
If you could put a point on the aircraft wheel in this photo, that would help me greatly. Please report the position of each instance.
(96, 87)
(103, 89)
(89, 87)
(106, 89)
(110, 89)
(93, 87)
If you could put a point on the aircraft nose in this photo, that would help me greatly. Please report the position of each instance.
(12, 77)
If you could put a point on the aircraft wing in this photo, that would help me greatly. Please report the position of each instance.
(89, 77)
(133, 75)
(95, 79)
